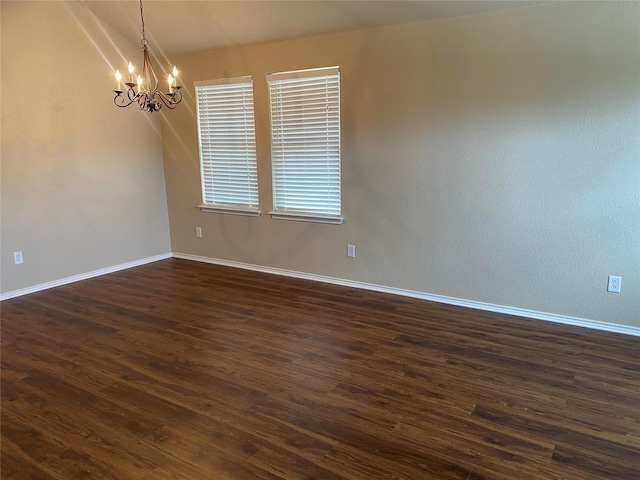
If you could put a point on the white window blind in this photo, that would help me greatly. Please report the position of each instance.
(305, 144)
(226, 134)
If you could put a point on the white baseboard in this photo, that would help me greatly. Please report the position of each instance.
(82, 276)
(520, 312)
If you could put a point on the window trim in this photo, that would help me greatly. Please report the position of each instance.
(247, 212)
(306, 217)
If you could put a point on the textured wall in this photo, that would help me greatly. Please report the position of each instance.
(493, 158)
(82, 181)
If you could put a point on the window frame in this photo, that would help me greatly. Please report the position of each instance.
(232, 93)
(283, 123)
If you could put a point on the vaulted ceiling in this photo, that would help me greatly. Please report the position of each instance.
(178, 26)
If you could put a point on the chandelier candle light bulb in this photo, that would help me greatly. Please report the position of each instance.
(118, 78)
(145, 91)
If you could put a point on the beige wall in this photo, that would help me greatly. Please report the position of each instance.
(493, 158)
(82, 181)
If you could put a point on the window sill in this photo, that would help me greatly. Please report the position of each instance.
(247, 212)
(307, 217)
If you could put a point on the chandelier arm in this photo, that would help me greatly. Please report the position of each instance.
(149, 101)
(169, 101)
(143, 101)
(177, 95)
(133, 96)
(121, 101)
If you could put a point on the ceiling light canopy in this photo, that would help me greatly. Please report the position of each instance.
(144, 91)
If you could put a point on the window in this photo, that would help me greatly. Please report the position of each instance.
(305, 144)
(227, 141)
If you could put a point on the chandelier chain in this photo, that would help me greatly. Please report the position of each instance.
(144, 41)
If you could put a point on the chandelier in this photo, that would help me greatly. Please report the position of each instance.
(144, 91)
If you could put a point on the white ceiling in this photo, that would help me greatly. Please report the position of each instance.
(177, 26)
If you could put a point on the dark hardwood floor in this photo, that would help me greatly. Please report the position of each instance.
(180, 370)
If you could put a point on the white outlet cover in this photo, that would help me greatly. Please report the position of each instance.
(17, 258)
(614, 284)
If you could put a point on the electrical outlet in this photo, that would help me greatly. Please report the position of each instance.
(17, 258)
(351, 251)
(614, 284)
(198, 232)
